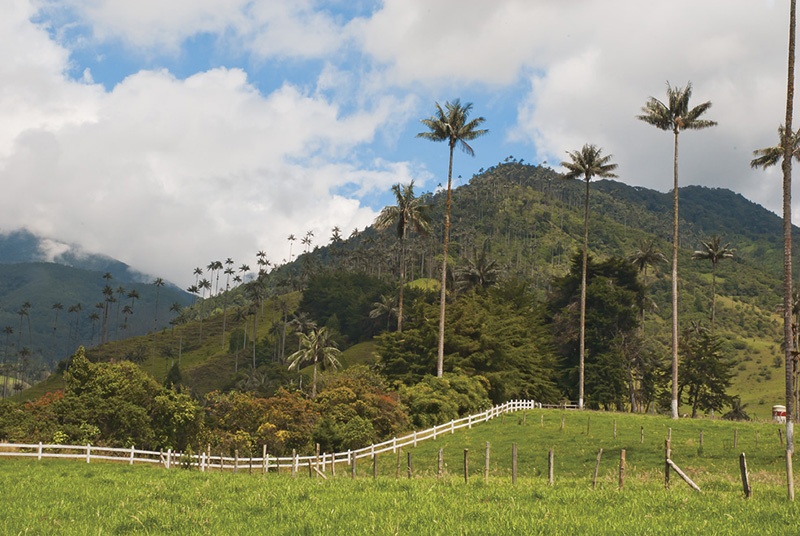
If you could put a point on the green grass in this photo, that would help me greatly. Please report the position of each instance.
(359, 354)
(71, 497)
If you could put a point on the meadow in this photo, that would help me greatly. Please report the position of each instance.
(70, 497)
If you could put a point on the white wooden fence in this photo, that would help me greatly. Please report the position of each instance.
(208, 461)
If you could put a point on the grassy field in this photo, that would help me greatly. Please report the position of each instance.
(69, 497)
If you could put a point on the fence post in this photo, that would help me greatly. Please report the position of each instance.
(748, 492)
(486, 464)
(434, 431)
(513, 463)
(596, 468)
(550, 467)
(415, 438)
(294, 462)
(466, 466)
(236, 460)
(667, 454)
(452, 427)
(39, 455)
(469, 422)
(311, 468)
(789, 474)
(735, 437)
(169, 458)
(333, 464)
(264, 458)
(353, 467)
(131, 455)
(88, 451)
(397, 471)
(394, 441)
(621, 468)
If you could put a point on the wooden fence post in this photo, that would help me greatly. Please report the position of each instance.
(513, 463)
(264, 458)
(235, 460)
(667, 454)
(132, 451)
(169, 459)
(550, 467)
(294, 462)
(410, 468)
(353, 466)
(89, 453)
(789, 474)
(250, 464)
(596, 468)
(39, 452)
(748, 492)
(399, 455)
(621, 468)
(311, 468)
(466, 466)
(441, 462)
(486, 464)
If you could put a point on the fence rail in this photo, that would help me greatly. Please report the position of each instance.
(208, 461)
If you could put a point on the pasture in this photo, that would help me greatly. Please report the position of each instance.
(72, 497)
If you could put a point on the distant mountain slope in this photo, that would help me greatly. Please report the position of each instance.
(21, 246)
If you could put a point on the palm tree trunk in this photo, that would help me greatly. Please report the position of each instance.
(787, 235)
(674, 407)
(582, 352)
(402, 279)
(443, 297)
(314, 380)
(713, 296)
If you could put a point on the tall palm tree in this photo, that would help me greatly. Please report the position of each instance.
(314, 347)
(228, 273)
(133, 295)
(451, 125)
(158, 284)
(205, 284)
(386, 306)
(57, 306)
(713, 251)
(410, 211)
(291, 239)
(647, 255)
(676, 116)
(786, 165)
(764, 158)
(586, 164)
(94, 317)
(120, 294)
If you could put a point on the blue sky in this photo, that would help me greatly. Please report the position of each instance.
(170, 134)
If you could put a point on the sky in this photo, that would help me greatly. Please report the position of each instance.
(171, 134)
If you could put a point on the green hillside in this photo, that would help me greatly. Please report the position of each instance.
(530, 223)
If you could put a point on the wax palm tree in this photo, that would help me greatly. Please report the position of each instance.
(713, 251)
(205, 284)
(647, 255)
(409, 212)
(453, 126)
(133, 295)
(94, 317)
(120, 294)
(291, 239)
(175, 308)
(158, 284)
(228, 273)
(765, 158)
(386, 306)
(314, 347)
(302, 323)
(676, 116)
(585, 165)
(57, 306)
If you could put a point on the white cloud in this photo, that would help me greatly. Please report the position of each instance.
(165, 174)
